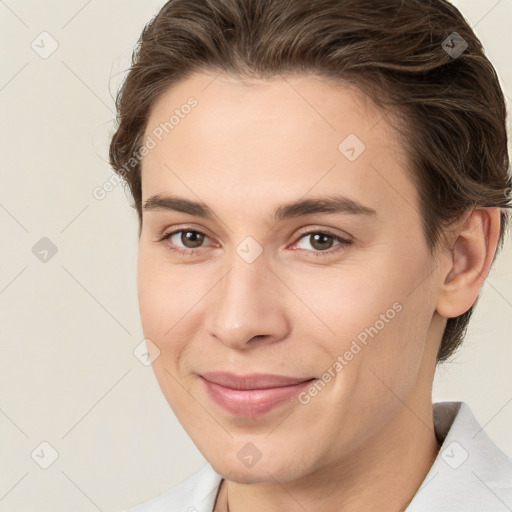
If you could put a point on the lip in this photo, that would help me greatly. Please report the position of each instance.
(251, 395)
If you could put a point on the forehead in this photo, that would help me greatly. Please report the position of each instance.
(275, 139)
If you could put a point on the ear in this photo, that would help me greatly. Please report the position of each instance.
(468, 260)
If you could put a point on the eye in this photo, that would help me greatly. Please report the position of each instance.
(323, 242)
(189, 241)
(184, 241)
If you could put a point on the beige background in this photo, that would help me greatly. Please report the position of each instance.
(69, 326)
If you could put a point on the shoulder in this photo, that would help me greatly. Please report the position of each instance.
(470, 471)
(195, 494)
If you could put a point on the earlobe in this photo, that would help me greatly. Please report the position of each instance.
(473, 246)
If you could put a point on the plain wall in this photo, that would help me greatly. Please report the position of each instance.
(69, 326)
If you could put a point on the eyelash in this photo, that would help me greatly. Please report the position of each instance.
(191, 252)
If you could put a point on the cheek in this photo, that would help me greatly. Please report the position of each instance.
(166, 292)
(164, 298)
(373, 308)
(347, 300)
(397, 333)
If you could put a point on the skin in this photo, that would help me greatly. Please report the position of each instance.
(366, 441)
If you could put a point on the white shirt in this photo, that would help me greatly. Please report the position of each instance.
(470, 473)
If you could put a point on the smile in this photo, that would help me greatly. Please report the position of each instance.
(252, 395)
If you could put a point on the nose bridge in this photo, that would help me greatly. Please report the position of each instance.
(247, 304)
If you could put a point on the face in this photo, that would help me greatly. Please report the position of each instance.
(303, 258)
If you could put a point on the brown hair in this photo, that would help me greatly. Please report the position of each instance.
(400, 53)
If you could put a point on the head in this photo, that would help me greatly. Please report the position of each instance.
(342, 189)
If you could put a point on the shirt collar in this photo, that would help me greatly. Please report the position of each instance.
(470, 472)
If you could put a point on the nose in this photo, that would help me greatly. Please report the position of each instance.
(249, 306)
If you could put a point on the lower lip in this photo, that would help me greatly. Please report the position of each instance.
(252, 402)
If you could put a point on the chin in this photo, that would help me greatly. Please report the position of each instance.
(264, 471)
(249, 475)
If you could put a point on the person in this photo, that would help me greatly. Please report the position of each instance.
(321, 188)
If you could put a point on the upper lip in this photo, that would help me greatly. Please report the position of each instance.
(252, 381)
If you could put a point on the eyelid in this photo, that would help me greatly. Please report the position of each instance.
(165, 233)
(327, 231)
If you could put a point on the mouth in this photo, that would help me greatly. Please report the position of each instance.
(252, 395)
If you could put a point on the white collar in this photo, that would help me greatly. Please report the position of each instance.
(470, 473)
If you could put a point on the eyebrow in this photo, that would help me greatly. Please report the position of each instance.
(330, 204)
